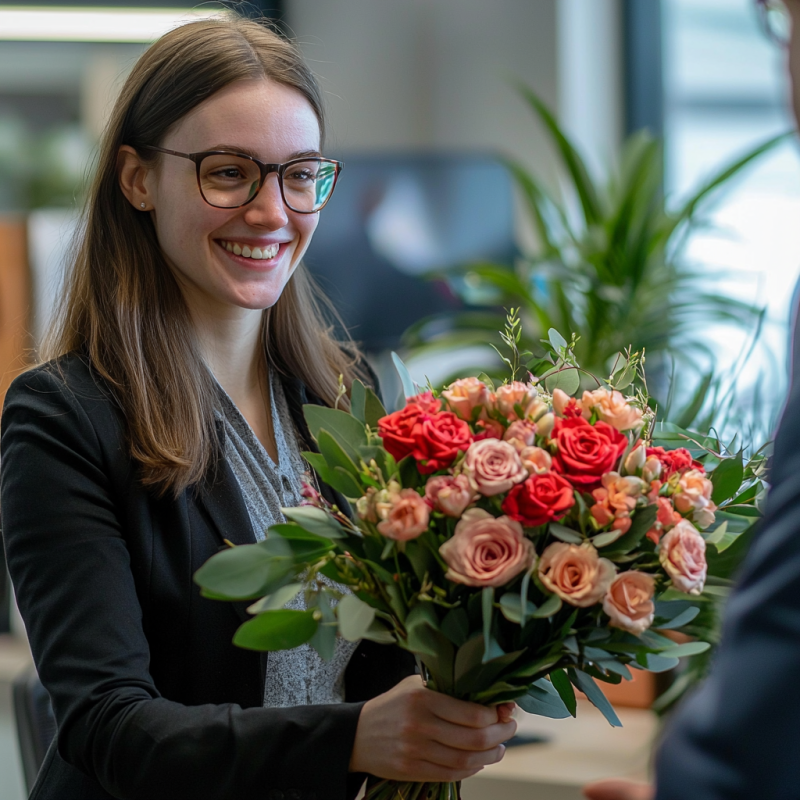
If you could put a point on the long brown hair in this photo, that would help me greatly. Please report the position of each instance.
(123, 306)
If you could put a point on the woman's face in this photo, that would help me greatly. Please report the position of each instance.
(271, 122)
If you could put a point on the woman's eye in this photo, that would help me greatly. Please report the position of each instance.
(228, 173)
(301, 176)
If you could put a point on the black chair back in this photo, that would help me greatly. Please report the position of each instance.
(36, 725)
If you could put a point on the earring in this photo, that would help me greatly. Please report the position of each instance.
(143, 205)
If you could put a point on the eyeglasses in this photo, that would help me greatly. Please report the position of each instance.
(232, 180)
(776, 20)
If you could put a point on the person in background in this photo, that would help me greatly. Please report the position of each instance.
(736, 737)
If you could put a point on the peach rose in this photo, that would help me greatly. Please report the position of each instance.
(666, 519)
(521, 434)
(489, 429)
(615, 500)
(576, 573)
(544, 425)
(465, 395)
(486, 551)
(536, 460)
(693, 494)
(511, 395)
(493, 466)
(683, 556)
(611, 407)
(450, 494)
(407, 518)
(629, 602)
(564, 405)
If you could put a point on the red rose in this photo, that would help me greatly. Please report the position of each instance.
(673, 461)
(396, 430)
(438, 438)
(586, 452)
(539, 499)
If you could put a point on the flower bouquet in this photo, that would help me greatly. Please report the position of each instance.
(521, 542)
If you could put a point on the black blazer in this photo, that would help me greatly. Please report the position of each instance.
(151, 698)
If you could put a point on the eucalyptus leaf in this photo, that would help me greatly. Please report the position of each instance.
(358, 399)
(657, 663)
(684, 618)
(278, 599)
(315, 520)
(602, 539)
(543, 699)
(345, 428)
(550, 606)
(282, 629)
(567, 379)
(685, 650)
(565, 534)
(334, 455)
(355, 617)
(587, 685)
(557, 341)
(373, 409)
(409, 387)
(511, 607)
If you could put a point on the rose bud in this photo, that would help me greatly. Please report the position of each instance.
(616, 500)
(465, 395)
(693, 493)
(486, 551)
(683, 556)
(651, 470)
(566, 406)
(635, 460)
(493, 467)
(544, 427)
(450, 494)
(575, 573)
(521, 434)
(536, 460)
(407, 517)
(629, 602)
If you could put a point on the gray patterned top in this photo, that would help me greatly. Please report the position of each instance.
(296, 677)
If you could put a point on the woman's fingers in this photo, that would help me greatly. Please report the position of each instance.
(460, 712)
(617, 789)
(472, 739)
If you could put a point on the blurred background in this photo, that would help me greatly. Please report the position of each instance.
(456, 202)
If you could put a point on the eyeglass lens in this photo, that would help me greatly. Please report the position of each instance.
(228, 181)
(777, 19)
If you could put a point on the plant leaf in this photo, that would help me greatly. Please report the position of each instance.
(550, 606)
(409, 387)
(557, 341)
(543, 699)
(315, 520)
(565, 534)
(684, 618)
(358, 397)
(455, 626)
(283, 629)
(355, 617)
(373, 409)
(567, 379)
(587, 685)
(345, 428)
(564, 688)
(727, 478)
(278, 599)
(684, 650)
(511, 607)
(487, 608)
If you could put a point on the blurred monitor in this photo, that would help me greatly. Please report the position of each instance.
(394, 218)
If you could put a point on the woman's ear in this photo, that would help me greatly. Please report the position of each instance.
(133, 179)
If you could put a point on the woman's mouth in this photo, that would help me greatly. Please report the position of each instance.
(263, 253)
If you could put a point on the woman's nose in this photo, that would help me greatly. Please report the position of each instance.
(267, 210)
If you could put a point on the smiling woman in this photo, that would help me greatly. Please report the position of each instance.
(167, 424)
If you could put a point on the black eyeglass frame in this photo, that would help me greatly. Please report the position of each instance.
(763, 7)
(265, 170)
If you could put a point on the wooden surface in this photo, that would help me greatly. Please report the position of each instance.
(15, 300)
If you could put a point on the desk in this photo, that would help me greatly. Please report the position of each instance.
(579, 751)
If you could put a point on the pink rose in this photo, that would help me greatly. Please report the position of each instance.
(515, 395)
(407, 517)
(611, 407)
(486, 551)
(493, 466)
(629, 602)
(489, 429)
(693, 494)
(536, 460)
(666, 519)
(521, 434)
(465, 395)
(683, 556)
(616, 500)
(449, 494)
(576, 573)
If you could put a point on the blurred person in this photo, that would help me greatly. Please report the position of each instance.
(734, 738)
(168, 421)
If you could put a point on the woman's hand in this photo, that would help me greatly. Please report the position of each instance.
(616, 789)
(413, 734)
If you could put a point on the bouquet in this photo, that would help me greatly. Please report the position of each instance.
(522, 542)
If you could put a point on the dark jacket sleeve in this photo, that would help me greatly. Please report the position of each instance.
(70, 566)
(734, 738)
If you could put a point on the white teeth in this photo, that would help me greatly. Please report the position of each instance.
(261, 253)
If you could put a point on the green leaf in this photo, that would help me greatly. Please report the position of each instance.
(248, 571)
(566, 378)
(565, 534)
(550, 606)
(315, 520)
(602, 539)
(455, 626)
(409, 388)
(345, 428)
(468, 658)
(278, 599)
(587, 685)
(556, 340)
(727, 478)
(487, 608)
(643, 520)
(355, 617)
(324, 639)
(358, 398)
(684, 618)
(373, 409)
(378, 632)
(340, 481)
(564, 688)
(511, 607)
(523, 591)
(421, 628)
(653, 662)
(684, 650)
(335, 456)
(543, 699)
(282, 629)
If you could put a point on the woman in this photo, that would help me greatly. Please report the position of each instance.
(169, 420)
